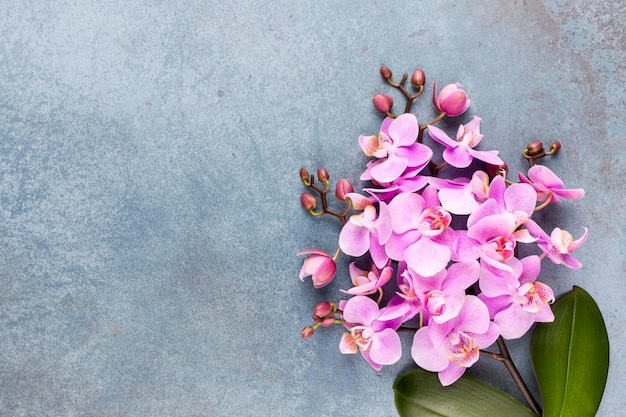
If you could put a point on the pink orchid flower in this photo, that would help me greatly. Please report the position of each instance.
(558, 246)
(396, 148)
(548, 185)
(367, 231)
(368, 282)
(421, 235)
(463, 196)
(320, 265)
(406, 303)
(452, 347)
(515, 299)
(376, 339)
(442, 295)
(451, 100)
(517, 199)
(460, 153)
(495, 239)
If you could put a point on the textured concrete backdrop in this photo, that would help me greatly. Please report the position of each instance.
(149, 213)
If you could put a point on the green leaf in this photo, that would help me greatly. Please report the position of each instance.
(419, 393)
(571, 357)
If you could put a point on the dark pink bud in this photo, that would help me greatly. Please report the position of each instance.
(418, 78)
(451, 100)
(383, 103)
(555, 147)
(322, 174)
(328, 321)
(304, 175)
(534, 148)
(494, 170)
(385, 73)
(343, 188)
(308, 201)
(307, 332)
(322, 310)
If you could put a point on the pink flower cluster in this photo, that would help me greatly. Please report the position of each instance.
(451, 243)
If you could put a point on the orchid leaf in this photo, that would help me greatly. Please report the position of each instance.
(419, 393)
(570, 357)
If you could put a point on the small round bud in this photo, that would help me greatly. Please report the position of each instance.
(307, 332)
(328, 321)
(308, 201)
(418, 78)
(494, 170)
(555, 146)
(534, 148)
(385, 73)
(322, 174)
(322, 310)
(304, 175)
(383, 103)
(343, 188)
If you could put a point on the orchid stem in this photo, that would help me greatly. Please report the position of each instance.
(505, 357)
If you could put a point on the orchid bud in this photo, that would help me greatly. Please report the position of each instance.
(320, 266)
(322, 310)
(304, 175)
(322, 174)
(383, 103)
(343, 188)
(534, 148)
(494, 170)
(451, 100)
(307, 332)
(328, 321)
(418, 78)
(308, 201)
(385, 73)
(555, 147)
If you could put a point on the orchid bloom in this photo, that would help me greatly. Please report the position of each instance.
(421, 235)
(407, 300)
(548, 185)
(463, 196)
(368, 282)
(515, 299)
(396, 149)
(558, 246)
(452, 347)
(320, 265)
(451, 100)
(367, 231)
(376, 339)
(442, 295)
(496, 239)
(460, 153)
(517, 199)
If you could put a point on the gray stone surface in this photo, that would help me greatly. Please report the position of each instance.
(149, 213)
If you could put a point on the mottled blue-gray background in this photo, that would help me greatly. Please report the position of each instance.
(149, 213)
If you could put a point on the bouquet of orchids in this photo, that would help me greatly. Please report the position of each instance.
(460, 284)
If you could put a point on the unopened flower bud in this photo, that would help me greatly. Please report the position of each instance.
(343, 188)
(322, 310)
(307, 332)
(418, 78)
(304, 175)
(494, 170)
(383, 103)
(451, 100)
(385, 73)
(555, 147)
(322, 174)
(328, 321)
(534, 148)
(308, 201)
